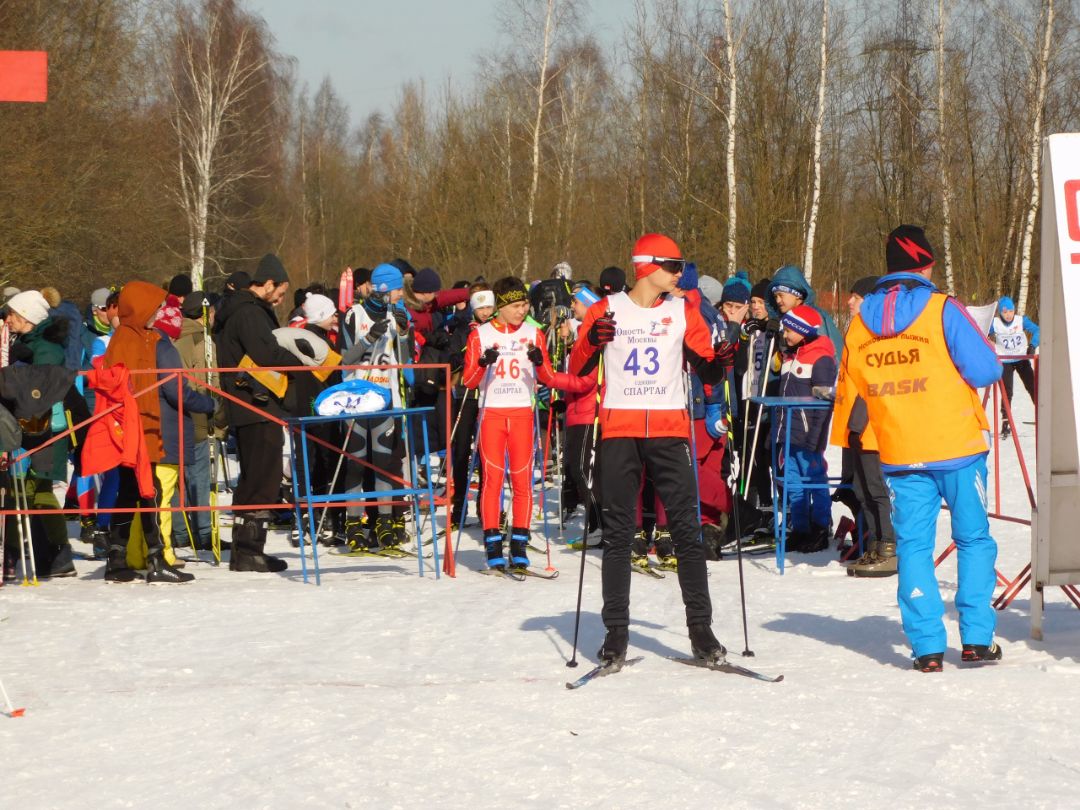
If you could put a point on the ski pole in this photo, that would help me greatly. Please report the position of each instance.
(693, 447)
(733, 485)
(480, 407)
(25, 533)
(543, 486)
(757, 420)
(585, 528)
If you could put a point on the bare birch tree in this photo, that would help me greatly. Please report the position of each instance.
(732, 109)
(218, 60)
(943, 153)
(819, 122)
(1039, 103)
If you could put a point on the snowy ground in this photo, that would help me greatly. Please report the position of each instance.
(383, 689)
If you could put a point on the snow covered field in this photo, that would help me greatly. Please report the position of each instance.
(381, 689)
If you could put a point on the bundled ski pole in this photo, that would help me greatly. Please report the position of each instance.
(573, 662)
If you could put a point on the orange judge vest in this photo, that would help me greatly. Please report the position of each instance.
(921, 409)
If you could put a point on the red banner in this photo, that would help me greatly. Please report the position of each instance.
(24, 75)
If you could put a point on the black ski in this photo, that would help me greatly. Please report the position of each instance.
(553, 574)
(601, 671)
(727, 666)
(517, 576)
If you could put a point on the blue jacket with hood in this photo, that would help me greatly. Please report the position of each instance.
(791, 276)
(972, 354)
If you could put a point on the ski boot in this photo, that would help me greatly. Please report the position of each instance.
(401, 536)
(817, 539)
(665, 557)
(354, 535)
(613, 653)
(1006, 429)
(712, 536)
(980, 653)
(931, 662)
(99, 544)
(383, 537)
(87, 527)
(704, 645)
(519, 545)
(639, 550)
(493, 546)
(160, 572)
(116, 567)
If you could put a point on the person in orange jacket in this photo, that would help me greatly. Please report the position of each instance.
(643, 338)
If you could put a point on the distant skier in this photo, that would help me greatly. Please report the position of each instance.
(1010, 336)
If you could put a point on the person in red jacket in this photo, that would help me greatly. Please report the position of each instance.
(643, 337)
(505, 358)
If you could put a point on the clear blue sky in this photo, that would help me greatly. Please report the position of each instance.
(370, 49)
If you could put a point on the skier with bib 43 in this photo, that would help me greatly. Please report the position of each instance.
(645, 338)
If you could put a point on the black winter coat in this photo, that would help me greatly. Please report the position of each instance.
(246, 326)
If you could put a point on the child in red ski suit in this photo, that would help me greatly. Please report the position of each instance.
(505, 358)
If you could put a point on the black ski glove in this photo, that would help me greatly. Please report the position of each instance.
(438, 339)
(377, 330)
(558, 406)
(401, 318)
(724, 354)
(489, 357)
(602, 330)
(773, 328)
(752, 325)
(536, 357)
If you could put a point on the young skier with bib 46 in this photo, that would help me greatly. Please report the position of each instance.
(645, 338)
(505, 357)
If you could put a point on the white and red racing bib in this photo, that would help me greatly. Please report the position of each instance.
(643, 365)
(510, 382)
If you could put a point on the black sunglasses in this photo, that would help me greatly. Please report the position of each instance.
(673, 266)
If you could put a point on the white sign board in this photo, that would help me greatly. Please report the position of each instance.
(1055, 544)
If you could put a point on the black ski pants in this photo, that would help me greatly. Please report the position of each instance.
(870, 489)
(669, 463)
(462, 450)
(576, 455)
(1023, 370)
(379, 443)
(259, 447)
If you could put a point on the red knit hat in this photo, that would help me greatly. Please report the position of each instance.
(170, 319)
(650, 250)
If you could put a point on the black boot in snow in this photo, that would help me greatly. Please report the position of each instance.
(519, 548)
(247, 553)
(160, 572)
(613, 653)
(931, 662)
(981, 653)
(116, 567)
(493, 546)
(704, 645)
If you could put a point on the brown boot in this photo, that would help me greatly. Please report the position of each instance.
(883, 563)
(867, 556)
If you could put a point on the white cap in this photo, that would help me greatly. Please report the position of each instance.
(31, 305)
(318, 308)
